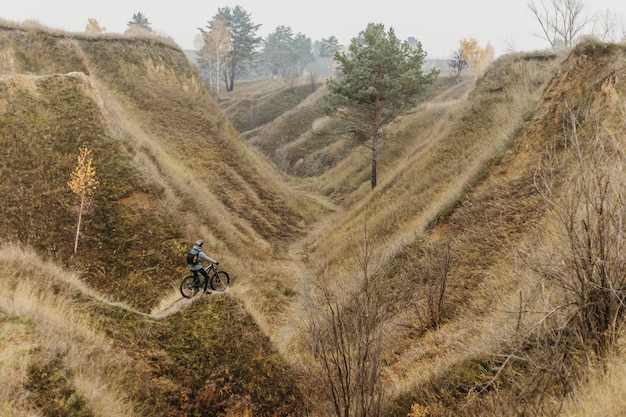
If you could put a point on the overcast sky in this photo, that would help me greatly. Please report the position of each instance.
(437, 24)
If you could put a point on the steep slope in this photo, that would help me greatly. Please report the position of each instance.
(470, 186)
(170, 169)
(437, 155)
(428, 173)
(518, 204)
(67, 350)
(255, 103)
(436, 269)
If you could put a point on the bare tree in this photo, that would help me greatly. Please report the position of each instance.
(457, 63)
(347, 339)
(609, 26)
(215, 52)
(580, 311)
(562, 22)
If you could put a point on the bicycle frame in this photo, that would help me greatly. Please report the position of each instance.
(217, 280)
(210, 271)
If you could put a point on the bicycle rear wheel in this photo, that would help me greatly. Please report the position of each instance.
(189, 286)
(219, 281)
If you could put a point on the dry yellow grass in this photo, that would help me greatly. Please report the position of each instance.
(36, 307)
(453, 144)
(602, 394)
(450, 174)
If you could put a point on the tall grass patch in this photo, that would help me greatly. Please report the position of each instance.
(59, 346)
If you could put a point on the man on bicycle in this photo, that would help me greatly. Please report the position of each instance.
(196, 251)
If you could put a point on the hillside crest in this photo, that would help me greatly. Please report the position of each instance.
(284, 204)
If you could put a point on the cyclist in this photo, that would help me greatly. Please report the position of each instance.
(197, 267)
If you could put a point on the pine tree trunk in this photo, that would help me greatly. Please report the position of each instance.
(374, 158)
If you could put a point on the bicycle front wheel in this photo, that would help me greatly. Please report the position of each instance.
(219, 281)
(189, 286)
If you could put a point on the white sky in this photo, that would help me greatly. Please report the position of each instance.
(437, 24)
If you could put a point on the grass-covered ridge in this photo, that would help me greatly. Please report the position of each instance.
(170, 170)
(461, 205)
(169, 166)
(70, 351)
(44, 123)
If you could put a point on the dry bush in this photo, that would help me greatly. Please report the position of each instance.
(601, 394)
(429, 270)
(576, 319)
(346, 335)
(590, 259)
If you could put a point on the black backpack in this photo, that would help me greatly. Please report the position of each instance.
(192, 257)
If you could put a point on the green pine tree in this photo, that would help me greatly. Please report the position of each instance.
(381, 77)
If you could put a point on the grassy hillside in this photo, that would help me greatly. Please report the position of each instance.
(434, 174)
(69, 351)
(427, 291)
(460, 182)
(253, 104)
(171, 169)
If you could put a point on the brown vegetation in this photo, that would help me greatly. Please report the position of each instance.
(421, 298)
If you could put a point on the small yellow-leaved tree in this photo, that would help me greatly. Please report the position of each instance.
(477, 58)
(83, 183)
(93, 26)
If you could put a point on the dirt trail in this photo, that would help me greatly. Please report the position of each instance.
(173, 302)
(304, 279)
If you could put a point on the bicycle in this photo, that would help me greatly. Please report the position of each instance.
(191, 284)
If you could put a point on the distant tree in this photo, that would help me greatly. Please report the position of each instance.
(457, 63)
(412, 41)
(243, 41)
(286, 55)
(477, 58)
(328, 48)
(215, 52)
(278, 54)
(83, 183)
(303, 50)
(609, 27)
(93, 26)
(381, 77)
(562, 22)
(313, 81)
(139, 22)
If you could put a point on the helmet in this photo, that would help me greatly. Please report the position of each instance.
(199, 242)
